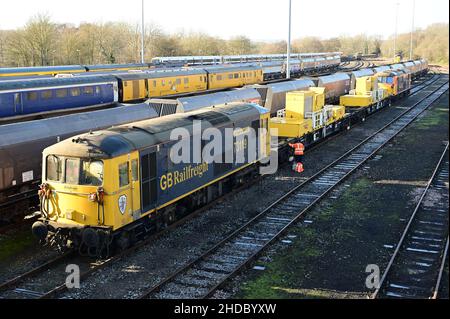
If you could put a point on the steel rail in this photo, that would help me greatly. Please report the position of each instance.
(441, 271)
(408, 225)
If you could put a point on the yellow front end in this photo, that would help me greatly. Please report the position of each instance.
(112, 202)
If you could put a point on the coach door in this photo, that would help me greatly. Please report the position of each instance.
(148, 181)
(18, 104)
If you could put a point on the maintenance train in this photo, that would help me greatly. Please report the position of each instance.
(103, 190)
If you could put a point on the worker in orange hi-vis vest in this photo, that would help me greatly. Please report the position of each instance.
(299, 151)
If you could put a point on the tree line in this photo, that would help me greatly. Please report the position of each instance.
(41, 42)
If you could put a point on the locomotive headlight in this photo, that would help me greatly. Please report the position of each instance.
(93, 197)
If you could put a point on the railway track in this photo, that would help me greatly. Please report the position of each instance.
(416, 266)
(205, 275)
(31, 284)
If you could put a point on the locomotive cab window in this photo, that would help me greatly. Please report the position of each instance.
(134, 170)
(75, 171)
(72, 171)
(124, 179)
(53, 168)
(92, 173)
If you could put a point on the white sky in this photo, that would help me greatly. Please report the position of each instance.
(257, 19)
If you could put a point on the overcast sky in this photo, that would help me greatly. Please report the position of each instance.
(257, 19)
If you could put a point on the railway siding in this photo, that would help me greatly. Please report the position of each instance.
(358, 225)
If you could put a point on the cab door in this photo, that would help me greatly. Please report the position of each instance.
(124, 194)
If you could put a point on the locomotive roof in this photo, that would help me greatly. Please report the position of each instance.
(49, 82)
(124, 139)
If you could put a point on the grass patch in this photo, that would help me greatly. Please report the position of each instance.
(13, 245)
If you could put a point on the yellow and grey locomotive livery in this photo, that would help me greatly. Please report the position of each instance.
(106, 188)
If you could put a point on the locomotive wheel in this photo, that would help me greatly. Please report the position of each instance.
(170, 217)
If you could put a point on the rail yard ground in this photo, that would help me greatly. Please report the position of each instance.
(324, 257)
(360, 225)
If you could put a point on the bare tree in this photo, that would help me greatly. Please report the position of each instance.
(40, 35)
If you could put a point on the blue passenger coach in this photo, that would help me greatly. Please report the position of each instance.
(18, 98)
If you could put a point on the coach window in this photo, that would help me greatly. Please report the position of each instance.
(163, 82)
(236, 75)
(124, 175)
(178, 81)
(75, 92)
(31, 96)
(219, 78)
(201, 79)
(186, 80)
(97, 90)
(89, 90)
(230, 76)
(46, 94)
(61, 93)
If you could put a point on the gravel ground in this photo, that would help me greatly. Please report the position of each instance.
(328, 253)
(20, 253)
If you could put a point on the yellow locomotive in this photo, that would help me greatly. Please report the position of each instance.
(106, 189)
